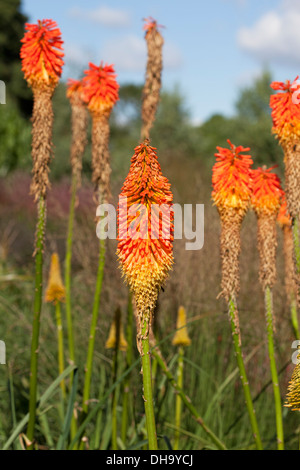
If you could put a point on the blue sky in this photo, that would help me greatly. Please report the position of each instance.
(212, 48)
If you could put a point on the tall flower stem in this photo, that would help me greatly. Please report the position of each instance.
(276, 390)
(68, 261)
(178, 405)
(114, 431)
(95, 314)
(39, 247)
(126, 385)
(147, 387)
(239, 357)
(186, 400)
(60, 342)
(294, 317)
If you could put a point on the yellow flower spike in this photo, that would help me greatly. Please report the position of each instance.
(112, 336)
(55, 291)
(181, 337)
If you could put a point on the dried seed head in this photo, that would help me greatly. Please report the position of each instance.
(266, 201)
(79, 120)
(232, 186)
(100, 92)
(151, 91)
(41, 145)
(231, 221)
(292, 178)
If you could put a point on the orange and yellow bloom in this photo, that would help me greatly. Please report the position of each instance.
(42, 53)
(145, 227)
(267, 191)
(285, 111)
(231, 178)
(100, 88)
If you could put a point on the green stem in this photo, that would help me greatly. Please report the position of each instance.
(294, 317)
(186, 400)
(68, 264)
(95, 314)
(276, 390)
(233, 314)
(60, 342)
(129, 356)
(147, 388)
(178, 405)
(114, 421)
(36, 317)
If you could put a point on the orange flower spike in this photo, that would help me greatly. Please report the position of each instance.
(41, 53)
(285, 111)
(232, 178)
(267, 191)
(145, 240)
(100, 88)
(284, 219)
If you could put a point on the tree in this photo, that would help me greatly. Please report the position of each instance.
(12, 22)
(251, 126)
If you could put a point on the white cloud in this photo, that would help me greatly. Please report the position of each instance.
(129, 53)
(103, 15)
(275, 37)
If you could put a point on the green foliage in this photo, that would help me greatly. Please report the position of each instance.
(15, 138)
(12, 22)
(250, 126)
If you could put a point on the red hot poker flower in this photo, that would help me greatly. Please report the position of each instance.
(100, 88)
(145, 235)
(286, 110)
(42, 53)
(232, 178)
(267, 191)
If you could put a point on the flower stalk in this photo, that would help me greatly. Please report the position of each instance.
(79, 120)
(41, 54)
(100, 92)
(152, 86)
(285, 222)
(145, 252)
(181, 340)
(232, 188)
(55, 293)
(266, 200)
